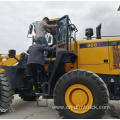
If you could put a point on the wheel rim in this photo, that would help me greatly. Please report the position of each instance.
(78, 98)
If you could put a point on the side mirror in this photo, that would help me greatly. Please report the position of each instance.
(12, 53)
(30, 29)
(119, 8)
(60, 24)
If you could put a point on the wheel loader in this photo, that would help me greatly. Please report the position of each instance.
(80, 75)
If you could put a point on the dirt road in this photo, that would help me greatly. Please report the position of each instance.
(30, 110)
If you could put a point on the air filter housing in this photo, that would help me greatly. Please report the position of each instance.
(89, 33)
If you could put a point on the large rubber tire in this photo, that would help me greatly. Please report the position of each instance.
(6, 93)
(93, 82)
(28, 98)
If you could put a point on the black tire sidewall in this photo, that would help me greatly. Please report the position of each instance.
(6, 93)
(91, 84)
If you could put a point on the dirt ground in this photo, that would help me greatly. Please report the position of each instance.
(30, 110)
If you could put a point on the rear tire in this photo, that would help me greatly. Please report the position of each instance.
(6, 93)
(88, 79)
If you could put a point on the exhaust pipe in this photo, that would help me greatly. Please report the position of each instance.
(98, 32)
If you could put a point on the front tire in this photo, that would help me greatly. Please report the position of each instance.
(6, 93)
(82, 89)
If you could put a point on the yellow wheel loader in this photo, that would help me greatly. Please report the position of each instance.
(80, 75)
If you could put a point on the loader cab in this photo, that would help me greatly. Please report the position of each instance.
(62, 35)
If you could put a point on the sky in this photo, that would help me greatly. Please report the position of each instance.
(15, 18)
